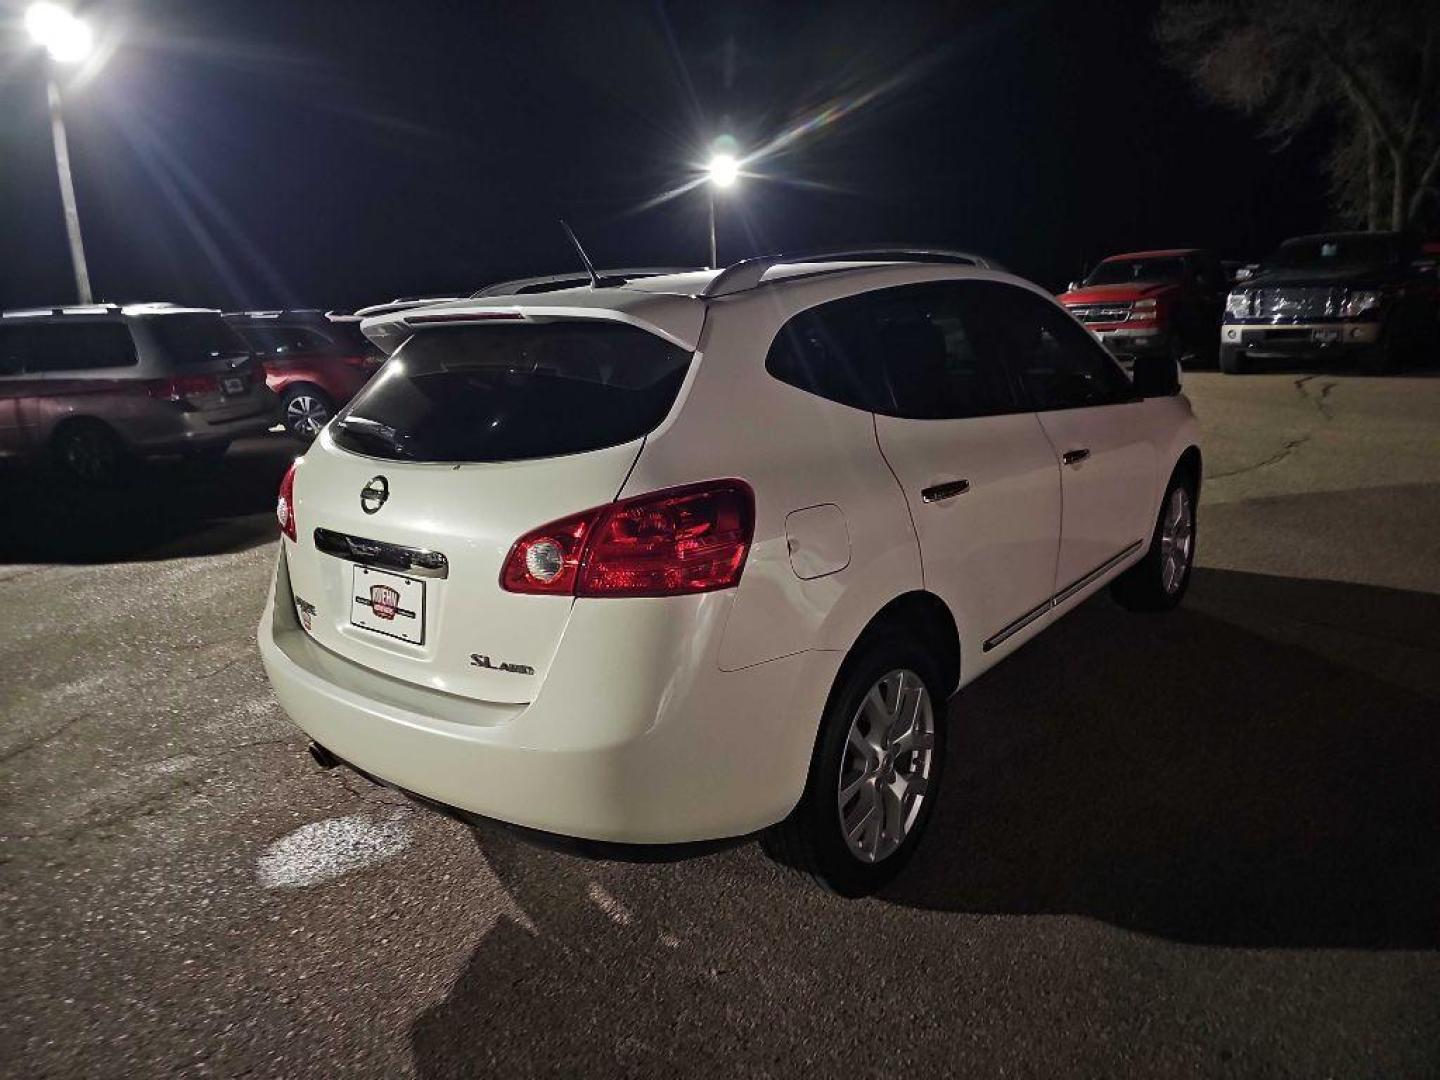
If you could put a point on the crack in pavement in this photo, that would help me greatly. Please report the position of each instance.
(1285, 451)
(1322, 406)
(41, 739)
(1321, 403)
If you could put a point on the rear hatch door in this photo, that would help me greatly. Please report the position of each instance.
(212, 368)
(471, 436)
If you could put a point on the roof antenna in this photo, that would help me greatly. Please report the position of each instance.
(589, 266)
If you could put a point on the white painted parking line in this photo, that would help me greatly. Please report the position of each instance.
(324, 850)
(602, 899)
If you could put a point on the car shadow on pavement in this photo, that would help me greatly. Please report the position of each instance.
(154, 510)
(1181, 776)
(1188, 777)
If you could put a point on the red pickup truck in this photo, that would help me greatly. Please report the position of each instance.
(1164, 302)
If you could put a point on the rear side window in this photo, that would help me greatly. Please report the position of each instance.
(512, 392)
(70, 346)
(916, 352)
(283, 340)
(1054, 359)
(196, 339)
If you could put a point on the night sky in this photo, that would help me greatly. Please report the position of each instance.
(312, 154)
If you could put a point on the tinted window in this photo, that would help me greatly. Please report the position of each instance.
(1340, 252)
(69, 346)
(347, 336)
(1124, 271)
(281, 340)
(196, 339)
(506, 393)
(910, 352)
(1055, 360)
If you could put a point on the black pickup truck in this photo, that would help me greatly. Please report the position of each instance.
(1372, 295)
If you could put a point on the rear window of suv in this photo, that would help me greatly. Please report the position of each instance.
(513, 392)
(196, 339)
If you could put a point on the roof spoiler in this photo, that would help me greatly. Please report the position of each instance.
(555, 282)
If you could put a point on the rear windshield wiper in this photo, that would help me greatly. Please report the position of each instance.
(364, 428)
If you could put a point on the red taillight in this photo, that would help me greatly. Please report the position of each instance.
(182, 386)
(547, 559)
(285, 504)
(683, 540)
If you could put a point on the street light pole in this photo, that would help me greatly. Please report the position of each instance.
(714, 258)
(67, 192)
(722, 172)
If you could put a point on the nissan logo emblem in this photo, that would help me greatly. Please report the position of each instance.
(374, 494)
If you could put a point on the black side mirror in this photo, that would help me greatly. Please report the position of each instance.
(1156, 376)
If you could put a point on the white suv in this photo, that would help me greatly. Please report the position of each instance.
(700, 556)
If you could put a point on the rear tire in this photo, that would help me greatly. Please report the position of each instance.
(307, 409)
(1158, 581)
(875, 772)
(88, 451)
(1233, 361)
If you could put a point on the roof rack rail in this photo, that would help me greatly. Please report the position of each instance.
(98, 308)
(555, 282)
(312, 314)
(746, 274)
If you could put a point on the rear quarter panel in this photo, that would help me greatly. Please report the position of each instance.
(797, 451)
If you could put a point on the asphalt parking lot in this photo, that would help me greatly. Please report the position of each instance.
(1204, 844)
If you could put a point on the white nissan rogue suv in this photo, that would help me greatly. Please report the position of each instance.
(698, 556)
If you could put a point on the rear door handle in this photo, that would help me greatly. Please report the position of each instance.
(941, 492)
(1074, 457)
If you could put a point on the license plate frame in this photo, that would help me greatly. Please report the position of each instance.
(375, 592)
(232, 384)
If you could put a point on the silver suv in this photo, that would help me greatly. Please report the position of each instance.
(91, 385)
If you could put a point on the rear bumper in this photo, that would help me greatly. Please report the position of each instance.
(615, 748)
(167, 429)
(1298, 339)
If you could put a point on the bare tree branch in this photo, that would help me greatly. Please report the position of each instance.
(1423, 183)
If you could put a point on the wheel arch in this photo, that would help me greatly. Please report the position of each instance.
(69, 423)
(1190, 464)
(300, 382)
(926, 617)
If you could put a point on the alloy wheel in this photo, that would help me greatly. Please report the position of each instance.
(1177, 540)
(886, 766)
(305, 415)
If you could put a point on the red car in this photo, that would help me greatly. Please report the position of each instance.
(314, 361)
(1153, 302)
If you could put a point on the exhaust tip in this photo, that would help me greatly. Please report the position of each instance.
(324, 758)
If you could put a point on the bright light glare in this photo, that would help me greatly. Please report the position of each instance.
(65, 37)
(723, 170)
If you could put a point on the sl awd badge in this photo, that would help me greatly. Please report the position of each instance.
(374, 494)
(481, 660)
